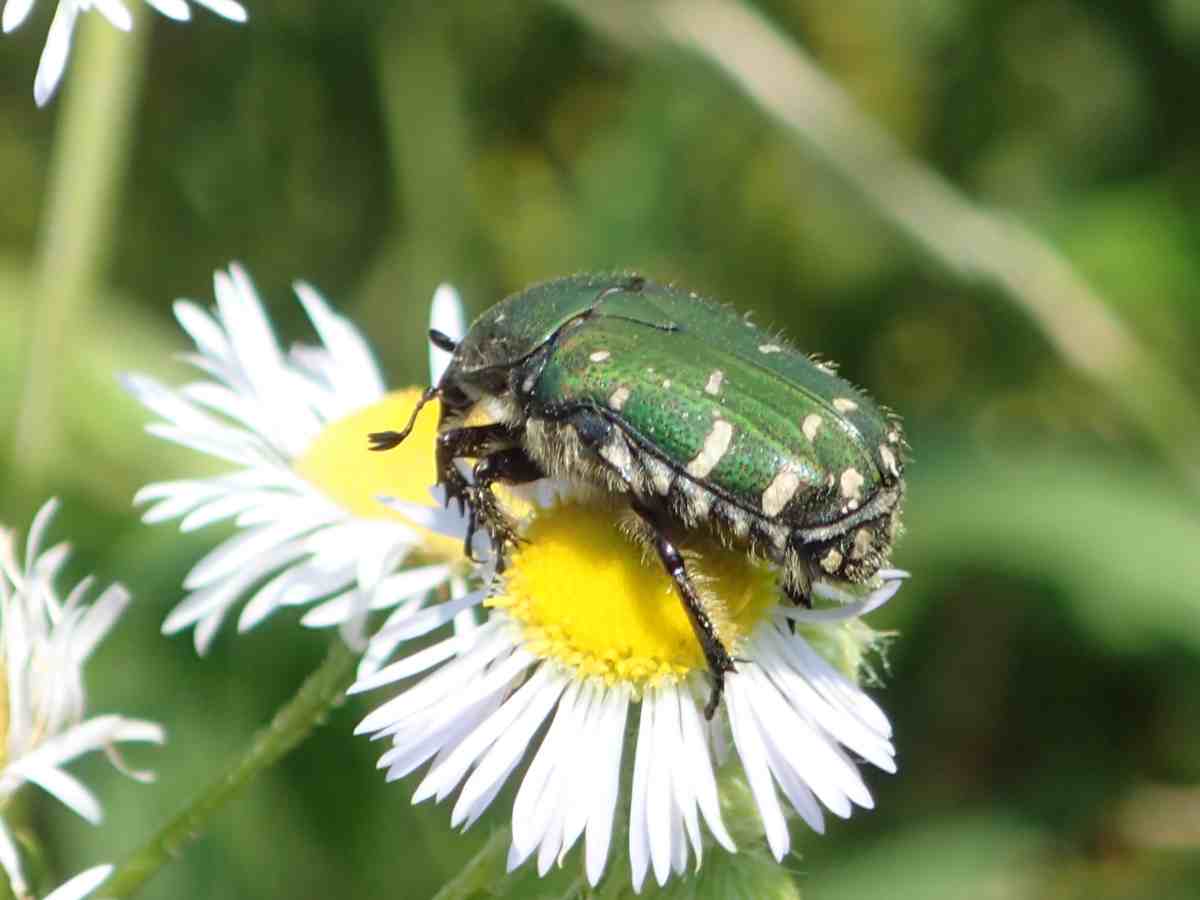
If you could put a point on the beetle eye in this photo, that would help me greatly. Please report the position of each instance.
(442, 341)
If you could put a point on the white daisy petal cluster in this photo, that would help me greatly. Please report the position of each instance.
(62, 29)
(44, 643)
(260, 409)
(481, 699)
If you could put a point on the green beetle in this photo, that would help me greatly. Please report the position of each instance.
(702, 419)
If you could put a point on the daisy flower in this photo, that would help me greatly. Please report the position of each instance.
(62, 29)
(302, 484)
(585, 637)
(44, 642)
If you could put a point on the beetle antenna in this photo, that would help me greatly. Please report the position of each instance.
(386, 440)
(442, 341)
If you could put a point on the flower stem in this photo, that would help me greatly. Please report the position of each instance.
(89, 160)
(480, 871)
(321, 691)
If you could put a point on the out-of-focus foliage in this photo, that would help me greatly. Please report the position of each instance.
(1045, 685)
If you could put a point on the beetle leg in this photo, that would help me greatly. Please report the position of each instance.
(474, 442)
(510, 466)
(715, 653)
(800, 595)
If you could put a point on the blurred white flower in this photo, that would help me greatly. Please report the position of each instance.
(582, 629)
(44, 642)
(62, 28)
(304, 485)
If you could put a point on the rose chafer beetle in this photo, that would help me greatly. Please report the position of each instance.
(700, 418)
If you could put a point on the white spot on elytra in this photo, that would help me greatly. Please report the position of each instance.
(780, 491)
(810, 425)
(714, 382)
(618, 398)
(666, 384)
(862, 544)
(831, 561)
(715, 446)
(600, 356)
(616, 452)
(770, 348)
(841, 404)
(852, 483)
(660, 473)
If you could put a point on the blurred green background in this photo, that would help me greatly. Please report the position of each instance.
(1045, 686)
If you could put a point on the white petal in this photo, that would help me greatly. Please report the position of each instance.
(216, 598)
(444, 727)
(203, 329)
(447, 682)
(444, 521)
(206, 630)
(754, 761)
(434, 617)
(639, 839)
(176, 497)
(444, 777)
(446, 316)
(15, 12)
(247, 547)
(380, 649)
(552, 842)
(840, 724)
(832, 777)
(659, 800)
(837, 689)
(116, 13)
(504, 754)
(10, 861)
(81, 885)
(581, 767)
(531, 808)
(68, 790)
(684, 790)
(37, 532)
(55, 53)
(853, 608)
(356, 370)
(173, 9)
(412, 665)
(700, 777)
(802, 799)
(226, 9)
(98, 620)
(611, 735)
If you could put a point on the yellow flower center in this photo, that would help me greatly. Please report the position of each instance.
(341, 463)
(592, 598)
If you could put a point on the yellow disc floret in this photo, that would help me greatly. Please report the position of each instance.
(341, 463)
(587, 595)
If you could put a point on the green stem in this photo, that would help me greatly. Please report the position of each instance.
(322, 690)
(483, 869)
(89, 158)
